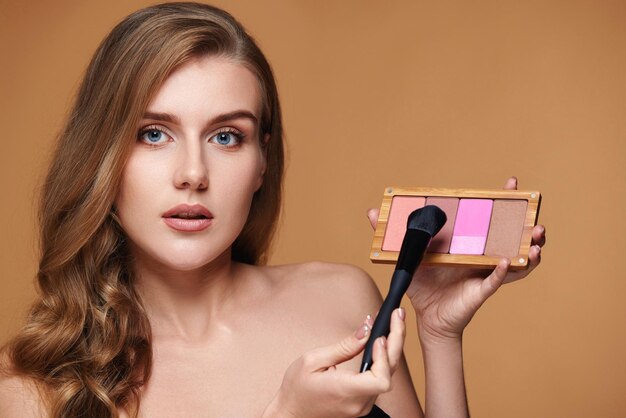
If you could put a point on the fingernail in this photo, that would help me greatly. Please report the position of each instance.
(538, 249)
(362, 332)
(382, 341)
(401, 313)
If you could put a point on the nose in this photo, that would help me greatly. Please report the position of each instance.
(191, 169)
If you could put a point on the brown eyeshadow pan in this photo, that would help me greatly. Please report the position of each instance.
(505, 231)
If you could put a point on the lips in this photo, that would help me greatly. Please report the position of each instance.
(188, 218)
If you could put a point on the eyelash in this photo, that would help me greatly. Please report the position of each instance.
(239, 135)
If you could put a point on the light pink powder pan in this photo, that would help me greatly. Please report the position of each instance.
(483, 225)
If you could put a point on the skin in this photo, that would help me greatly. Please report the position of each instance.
(234, 340)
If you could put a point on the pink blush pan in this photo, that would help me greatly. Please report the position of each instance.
(401, 208)
(441, 241)
(471, 226)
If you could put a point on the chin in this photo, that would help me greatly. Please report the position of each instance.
(180, 259)
(189, 262)
(184, 265)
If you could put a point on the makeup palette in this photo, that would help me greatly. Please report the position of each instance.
(483, 225)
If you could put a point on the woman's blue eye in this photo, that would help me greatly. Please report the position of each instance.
(153, 136)
(227, 139)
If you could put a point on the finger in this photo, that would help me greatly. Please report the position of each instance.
(539, 235)
(489, 286)
(377, 379)
(372, 215)
(511, 183)
(380, 366)
(372, 382)
(534, 257)
(325, 357)
(395, 340)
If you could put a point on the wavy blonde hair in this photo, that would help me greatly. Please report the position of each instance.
(87, 339)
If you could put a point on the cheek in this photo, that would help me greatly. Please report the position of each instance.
(260, 169)
(141, 182)
(238, 187)
(244, 176)
(256, 176)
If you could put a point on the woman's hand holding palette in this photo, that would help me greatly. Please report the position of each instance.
(483, 225)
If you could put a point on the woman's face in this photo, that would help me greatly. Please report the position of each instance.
(188, 185)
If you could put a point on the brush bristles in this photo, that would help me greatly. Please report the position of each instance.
(429, 219)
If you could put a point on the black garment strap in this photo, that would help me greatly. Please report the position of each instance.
(376, 412)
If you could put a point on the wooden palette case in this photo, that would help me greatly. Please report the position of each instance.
(483, 225)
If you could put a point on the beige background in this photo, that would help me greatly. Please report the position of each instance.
(423, 93)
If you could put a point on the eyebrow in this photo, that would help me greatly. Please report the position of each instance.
(237, 114)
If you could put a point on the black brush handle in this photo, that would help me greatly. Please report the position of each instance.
(399, 284)
(412, 251)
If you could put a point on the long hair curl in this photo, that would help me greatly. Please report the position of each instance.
(87, 339)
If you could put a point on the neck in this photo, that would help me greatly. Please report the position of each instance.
(190, 305)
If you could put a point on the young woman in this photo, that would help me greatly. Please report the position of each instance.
(156, 216)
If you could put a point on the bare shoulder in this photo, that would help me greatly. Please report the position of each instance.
(346, 291)
(19, 396)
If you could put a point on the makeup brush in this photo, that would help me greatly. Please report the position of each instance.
(422, 225)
